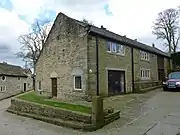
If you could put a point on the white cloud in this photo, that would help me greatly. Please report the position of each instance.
(10, 28)
(134, 18)
(131, 18)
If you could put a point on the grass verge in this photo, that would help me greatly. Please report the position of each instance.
(33, 97)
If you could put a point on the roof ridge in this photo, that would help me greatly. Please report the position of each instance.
(148, 45)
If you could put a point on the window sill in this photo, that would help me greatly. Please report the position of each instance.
(145, 79)
(114, 53)
(77, 90)
(2, 91)
(145, 60)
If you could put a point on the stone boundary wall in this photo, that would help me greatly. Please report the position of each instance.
(48, 111)
(146, 86)
(60, 117)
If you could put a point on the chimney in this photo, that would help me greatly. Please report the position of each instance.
(153, 45)
(124, 36)
(4, 62)
(135, 39)
(102, 27)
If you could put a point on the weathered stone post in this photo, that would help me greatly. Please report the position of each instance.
(97, 111)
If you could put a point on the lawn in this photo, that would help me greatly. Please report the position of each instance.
(33, 97)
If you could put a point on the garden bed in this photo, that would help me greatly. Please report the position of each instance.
(34, 97)
(60, 113)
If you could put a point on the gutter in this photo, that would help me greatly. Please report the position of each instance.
(132, 63)
(97, 58)
(97, 65)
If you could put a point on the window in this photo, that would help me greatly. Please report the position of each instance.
(19, 78)
(115, 48)
(28, 84)
(3, 88)
(144, 55)
(39, 85)
(77, 83)
(109, 46)
(3, 78)
(120, 49)
(18, 86)
(145, 74)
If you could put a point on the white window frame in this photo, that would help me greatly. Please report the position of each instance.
(75, 82)
(4, 88)
(19, 87)
(121, 49)
(4, 78)
(114, 49)
(144, 55)
(145, 74)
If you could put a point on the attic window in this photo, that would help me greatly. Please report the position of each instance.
(19, 78)
(3, 78)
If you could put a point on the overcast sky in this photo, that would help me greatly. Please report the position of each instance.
(132, 18)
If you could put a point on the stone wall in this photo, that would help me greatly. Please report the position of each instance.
(69, 51)
(48, 111)
(140, 86)
(60, 117)
(107, 61)
(64, 55)
(151, 64)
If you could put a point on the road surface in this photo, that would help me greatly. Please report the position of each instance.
(161, 116)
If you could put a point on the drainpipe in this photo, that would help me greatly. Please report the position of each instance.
(132, 62)
(97, 65)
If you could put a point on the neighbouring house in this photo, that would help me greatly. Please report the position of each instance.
(80, 60)
(14, 80)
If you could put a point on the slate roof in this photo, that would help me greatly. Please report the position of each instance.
(122, 39)
(11, 70)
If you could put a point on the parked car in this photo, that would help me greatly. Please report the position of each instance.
(172, 82)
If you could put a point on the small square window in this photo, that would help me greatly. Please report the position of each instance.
(2, 88)
(19, 78)
(144, 55)
(77, 83)
(145, 73)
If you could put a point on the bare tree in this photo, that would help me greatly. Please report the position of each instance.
(32, 43)
(87, 21)
(166, 27)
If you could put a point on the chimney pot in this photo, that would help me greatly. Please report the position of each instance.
(153, 45)
(102, 27)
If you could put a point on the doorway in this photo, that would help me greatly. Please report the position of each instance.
(54, 87)
(24, 86)
(116, 82)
